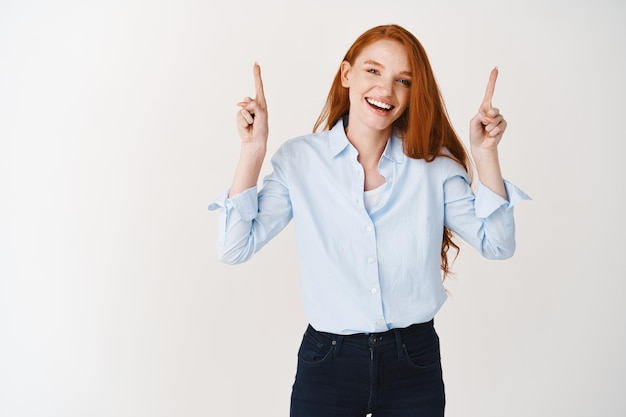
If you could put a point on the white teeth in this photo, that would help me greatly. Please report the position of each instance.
(379, 104)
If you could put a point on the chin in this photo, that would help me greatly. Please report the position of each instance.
(381, 125)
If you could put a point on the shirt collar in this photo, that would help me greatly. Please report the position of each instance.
(394, 151)
(338, 141)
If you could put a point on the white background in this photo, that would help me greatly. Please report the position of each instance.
(117, 130)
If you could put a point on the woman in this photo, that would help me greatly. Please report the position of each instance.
(375, 196)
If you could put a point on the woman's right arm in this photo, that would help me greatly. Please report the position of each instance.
(253, 130)
(248, 220)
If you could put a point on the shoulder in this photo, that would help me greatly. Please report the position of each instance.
(303, 141)
(302, 146)
(448, 166)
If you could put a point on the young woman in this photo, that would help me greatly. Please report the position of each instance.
(376, 195)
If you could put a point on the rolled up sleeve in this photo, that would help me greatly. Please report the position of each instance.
(487, 201)
(250, 219)
(234, 224)
(484, 220)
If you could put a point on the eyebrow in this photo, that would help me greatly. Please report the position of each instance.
(372, 62)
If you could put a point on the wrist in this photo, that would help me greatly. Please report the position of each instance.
(254, 146)
(253, 149)
(480, 153)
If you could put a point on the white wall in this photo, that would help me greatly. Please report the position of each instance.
(117, 129)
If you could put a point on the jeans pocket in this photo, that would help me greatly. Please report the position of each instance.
(422, 351)
(313, 350)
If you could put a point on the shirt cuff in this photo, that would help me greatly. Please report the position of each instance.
(487, 201)
(246, 203)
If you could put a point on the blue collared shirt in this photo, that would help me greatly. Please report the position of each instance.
(365, 271)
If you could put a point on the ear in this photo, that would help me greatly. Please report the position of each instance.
(345, 74)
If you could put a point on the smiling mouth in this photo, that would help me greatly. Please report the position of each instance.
(379, 105)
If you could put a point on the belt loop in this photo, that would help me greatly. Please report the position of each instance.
(399, 344)
(337, 342)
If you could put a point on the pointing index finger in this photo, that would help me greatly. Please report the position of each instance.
(258, 84)
(491, 86)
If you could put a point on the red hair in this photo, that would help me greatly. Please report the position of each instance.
(424, 126)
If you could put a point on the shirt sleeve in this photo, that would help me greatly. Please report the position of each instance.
(485, 220)
(487, 201)
(250, 219)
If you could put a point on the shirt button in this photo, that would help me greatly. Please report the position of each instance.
(368, 228)
(371, 259)
(374, 290)
(379, 322)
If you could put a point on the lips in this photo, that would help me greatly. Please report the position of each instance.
(379, 105)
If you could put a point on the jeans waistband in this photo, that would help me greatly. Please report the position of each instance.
(389, 338)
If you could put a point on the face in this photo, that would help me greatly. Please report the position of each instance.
(379, 82)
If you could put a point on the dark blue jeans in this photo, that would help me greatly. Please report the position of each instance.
(392, 374)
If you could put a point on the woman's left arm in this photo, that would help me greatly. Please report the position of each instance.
(486, 130)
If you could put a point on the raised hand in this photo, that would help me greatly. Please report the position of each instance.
(488, 126)
(253, 129)
(252, 118)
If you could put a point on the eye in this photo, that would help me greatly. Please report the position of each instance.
(373, 71)
(405, 82)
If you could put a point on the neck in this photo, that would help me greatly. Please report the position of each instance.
(369, 143)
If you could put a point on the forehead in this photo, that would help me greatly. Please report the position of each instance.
(385, 52)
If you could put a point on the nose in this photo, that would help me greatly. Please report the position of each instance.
(385, 85)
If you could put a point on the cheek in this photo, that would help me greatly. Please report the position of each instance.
(403, 98)
(354, 95)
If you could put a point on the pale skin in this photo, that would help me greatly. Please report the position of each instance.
(486, 130)
(253, 130)
(369, 129)
(380, 76)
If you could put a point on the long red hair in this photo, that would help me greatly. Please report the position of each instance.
(424, 127)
